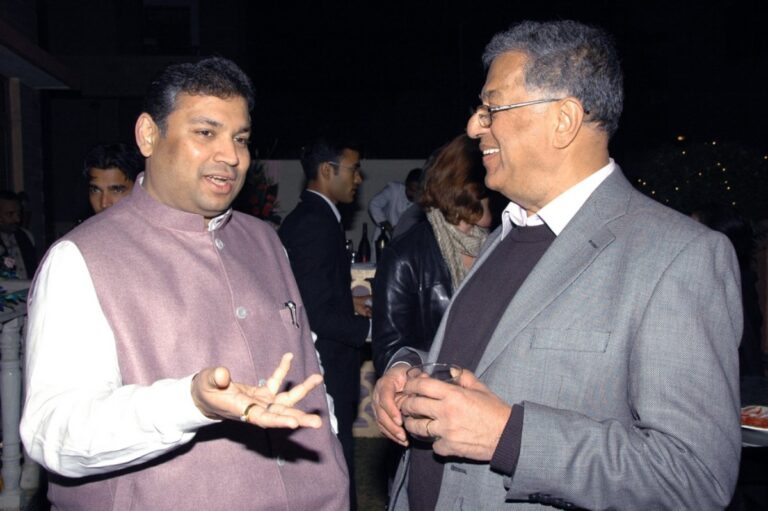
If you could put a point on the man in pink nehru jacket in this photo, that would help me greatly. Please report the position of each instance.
(169, 359)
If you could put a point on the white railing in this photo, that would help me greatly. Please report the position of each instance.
(14, 479)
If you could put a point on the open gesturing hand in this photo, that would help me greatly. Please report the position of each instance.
(218, 397)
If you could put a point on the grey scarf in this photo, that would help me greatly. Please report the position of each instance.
(453, 244)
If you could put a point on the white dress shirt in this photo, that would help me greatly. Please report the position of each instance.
(560, 210)
(389, 204)
(81, 419)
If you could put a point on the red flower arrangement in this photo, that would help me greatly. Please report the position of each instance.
(259, 195)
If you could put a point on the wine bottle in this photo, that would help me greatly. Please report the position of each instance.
(364, 248)
(381, 242)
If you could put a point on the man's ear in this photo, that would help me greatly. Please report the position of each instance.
(570, 117)
(147, 133)
(324, 171)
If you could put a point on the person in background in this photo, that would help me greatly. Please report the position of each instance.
(17, 249)
(169, 361)
(598, 330)
(314, 239)
(727, 220)
(111, 170)
(421, 269)
(386, 207)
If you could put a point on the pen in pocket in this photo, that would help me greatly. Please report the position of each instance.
(292, 308)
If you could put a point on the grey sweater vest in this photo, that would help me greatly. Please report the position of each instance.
(180, 298)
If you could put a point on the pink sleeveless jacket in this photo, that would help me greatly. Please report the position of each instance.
(180, 298)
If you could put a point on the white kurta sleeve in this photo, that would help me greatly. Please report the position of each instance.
(79, 419)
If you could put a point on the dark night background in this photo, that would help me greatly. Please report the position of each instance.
(401, 75)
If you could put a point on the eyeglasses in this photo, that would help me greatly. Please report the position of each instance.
(357, 169)
(485, 112)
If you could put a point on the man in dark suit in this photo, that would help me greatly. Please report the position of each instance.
(314, 238)
(16, 246)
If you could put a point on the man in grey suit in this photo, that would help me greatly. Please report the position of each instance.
(598, 331)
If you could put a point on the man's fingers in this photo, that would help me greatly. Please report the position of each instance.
(276, 415)
(388, 416)
(220, 378)
(276, 380)
(299, 392)
(468, 380)
(418, 406)
(390, 429)
(305, 420)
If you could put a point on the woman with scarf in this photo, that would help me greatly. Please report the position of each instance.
(420, 270)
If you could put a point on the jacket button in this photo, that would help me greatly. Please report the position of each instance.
(241, 312)
(219, 244)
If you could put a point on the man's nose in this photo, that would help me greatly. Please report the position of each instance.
(474, 130)
(106, 200)
(227, 153)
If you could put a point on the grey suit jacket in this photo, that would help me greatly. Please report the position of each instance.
(622, 347)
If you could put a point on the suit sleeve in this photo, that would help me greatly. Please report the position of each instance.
(313, 259)
(682, 448)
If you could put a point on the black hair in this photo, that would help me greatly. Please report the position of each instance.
(321, 150)
(121, 156)
(212, 76)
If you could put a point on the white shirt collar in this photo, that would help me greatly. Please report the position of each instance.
(560, 210)
(331, 204)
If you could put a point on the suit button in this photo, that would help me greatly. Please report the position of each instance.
(219, 244)
(280, 461)
(241, 312)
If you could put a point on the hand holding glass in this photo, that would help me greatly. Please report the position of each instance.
(448, 373)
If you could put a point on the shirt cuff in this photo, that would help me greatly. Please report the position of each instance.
(409, 358)
(507, 451)
(172, 410)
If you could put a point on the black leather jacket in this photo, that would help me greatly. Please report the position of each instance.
(411, 291)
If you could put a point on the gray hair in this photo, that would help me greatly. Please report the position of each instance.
(570, 58)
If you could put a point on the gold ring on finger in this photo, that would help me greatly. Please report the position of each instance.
(244, 416)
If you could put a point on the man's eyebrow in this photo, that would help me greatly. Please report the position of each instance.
(216, 124)
(206, 120)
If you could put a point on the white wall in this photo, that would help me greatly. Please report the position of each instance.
(376, 174)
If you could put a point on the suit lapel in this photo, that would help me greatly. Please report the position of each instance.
(574, 250)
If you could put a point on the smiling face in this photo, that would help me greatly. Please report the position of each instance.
(517, 148)
(199, 164)
(106, 187)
